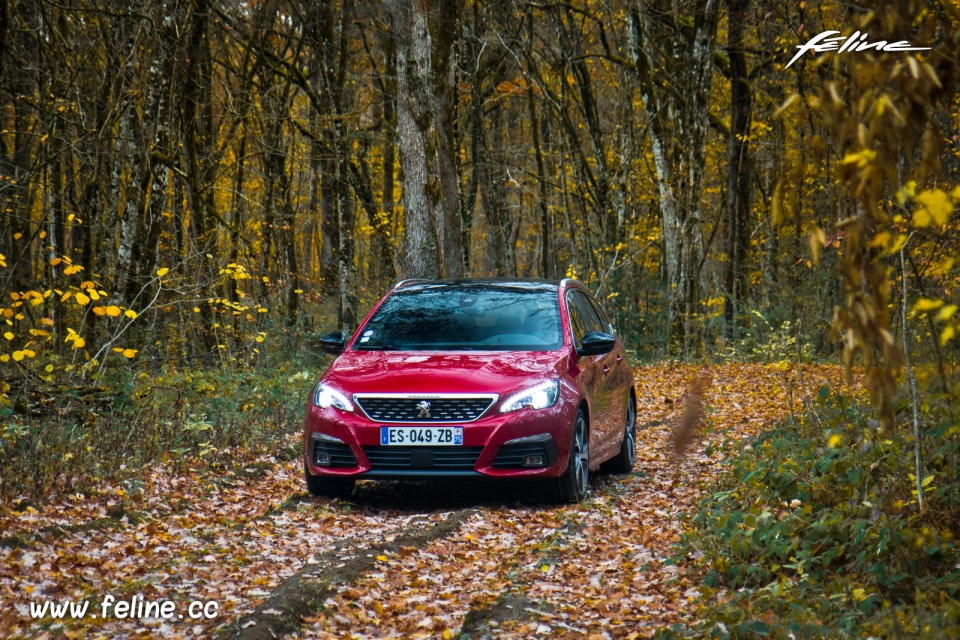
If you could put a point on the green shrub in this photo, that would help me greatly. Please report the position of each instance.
(817, 532)
(61, 437)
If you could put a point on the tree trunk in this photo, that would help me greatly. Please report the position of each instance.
(426, 101)
(677, 110)
(738, 170)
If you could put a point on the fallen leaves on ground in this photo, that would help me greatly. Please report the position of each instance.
(599, 569)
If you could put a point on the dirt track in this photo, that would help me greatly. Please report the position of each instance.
(449, 559)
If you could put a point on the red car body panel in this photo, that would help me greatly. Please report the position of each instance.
(601, 384)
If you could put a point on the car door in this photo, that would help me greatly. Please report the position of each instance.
(594, 373)
(617, 379)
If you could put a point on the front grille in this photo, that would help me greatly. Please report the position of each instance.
(389, 408)
(340, 453)
(422, 458)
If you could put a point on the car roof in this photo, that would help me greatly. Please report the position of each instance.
(532, 284)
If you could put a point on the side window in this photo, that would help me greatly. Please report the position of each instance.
(578, 319)
(593, 318)
(604, 320)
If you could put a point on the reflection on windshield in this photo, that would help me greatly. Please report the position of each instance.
(451, 318)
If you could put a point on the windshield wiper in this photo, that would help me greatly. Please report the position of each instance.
(377, 347)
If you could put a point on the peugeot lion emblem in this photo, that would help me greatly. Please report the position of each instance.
(424, 407)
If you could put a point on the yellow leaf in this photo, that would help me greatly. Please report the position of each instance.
(926, 481)
(100, 310)
(927, 304)
(47, 321)
(113, 311)
(934, 207)
(8, 335)
(130, 313)
(881, 240)
(82, 298)
(72, 269)
(945, 314)
(898, 243)
(382, 558)
(79, 343)
(834, 440)
(947, 335)
(129, 353)
(162, 272)
(48, 368)
(4, 358)
(18, 356)
(859, 159)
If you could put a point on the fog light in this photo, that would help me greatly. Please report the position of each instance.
(536, 460)
(321, 459)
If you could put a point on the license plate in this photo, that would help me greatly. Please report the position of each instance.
(421, 436)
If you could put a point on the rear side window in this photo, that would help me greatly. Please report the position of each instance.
(604, 321)
(583, 316)
(465, 318)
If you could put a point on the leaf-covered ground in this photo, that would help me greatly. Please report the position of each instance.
(505, 564)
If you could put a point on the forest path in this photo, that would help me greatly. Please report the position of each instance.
(444, 559)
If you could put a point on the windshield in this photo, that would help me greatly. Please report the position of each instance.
(463, 318)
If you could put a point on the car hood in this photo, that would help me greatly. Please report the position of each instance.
(446, 372)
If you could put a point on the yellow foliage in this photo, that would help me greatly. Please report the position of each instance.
(162, 272)
(82, 299)
(927, 304)
(947, 335)
(934, 208)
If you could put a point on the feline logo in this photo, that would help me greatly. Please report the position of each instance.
(826, 41)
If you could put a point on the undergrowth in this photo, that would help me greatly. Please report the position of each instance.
(57, 437)
(817, 531)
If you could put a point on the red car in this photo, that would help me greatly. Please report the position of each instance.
(474, 378)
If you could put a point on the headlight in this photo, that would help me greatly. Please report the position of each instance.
(326, 396)
(541, 396)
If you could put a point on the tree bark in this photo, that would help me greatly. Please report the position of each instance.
(426, 101)
(738, 169)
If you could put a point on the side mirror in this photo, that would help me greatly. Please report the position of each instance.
(595, 343)
(333, 343)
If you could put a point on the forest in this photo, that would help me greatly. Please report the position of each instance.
(192, 191)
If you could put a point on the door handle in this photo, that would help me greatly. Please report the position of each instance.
(606, 369)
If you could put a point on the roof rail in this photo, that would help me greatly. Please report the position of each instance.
(403, 283)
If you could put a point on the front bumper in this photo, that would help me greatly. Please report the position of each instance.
(524, 443)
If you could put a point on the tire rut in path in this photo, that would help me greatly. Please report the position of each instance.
(304, 592)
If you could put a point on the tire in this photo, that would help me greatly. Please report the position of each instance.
(574, 484)
(623, 462)
(328, 486)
